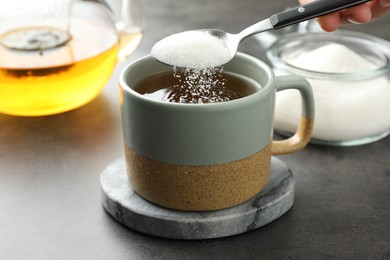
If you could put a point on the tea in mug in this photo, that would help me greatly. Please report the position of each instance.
(196, 86)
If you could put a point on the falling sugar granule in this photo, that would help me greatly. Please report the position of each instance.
(198, 86)
(196, 58)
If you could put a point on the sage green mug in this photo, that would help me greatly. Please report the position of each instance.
(200, 157)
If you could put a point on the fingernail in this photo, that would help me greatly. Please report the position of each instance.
(385, 3)
(350, 19)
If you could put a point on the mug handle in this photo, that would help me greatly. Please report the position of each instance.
(302, 137)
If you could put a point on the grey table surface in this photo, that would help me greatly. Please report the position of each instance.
(50, 202)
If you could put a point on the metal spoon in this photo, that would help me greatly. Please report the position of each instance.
(280, 20)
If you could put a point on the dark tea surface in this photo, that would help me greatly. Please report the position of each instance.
(196, 87)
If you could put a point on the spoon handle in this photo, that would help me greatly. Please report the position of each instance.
(311, 10)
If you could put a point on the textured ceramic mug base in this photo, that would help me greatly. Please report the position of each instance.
(198, 188)
(123, 204)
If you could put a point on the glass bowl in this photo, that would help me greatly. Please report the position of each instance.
(350, 76)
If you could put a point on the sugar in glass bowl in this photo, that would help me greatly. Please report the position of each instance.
(350, 76)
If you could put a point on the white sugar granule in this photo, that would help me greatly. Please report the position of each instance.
(191, 49)
(331, 58)
(199, 86)
(345, 110)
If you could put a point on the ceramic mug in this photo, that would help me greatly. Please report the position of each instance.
(201, 157)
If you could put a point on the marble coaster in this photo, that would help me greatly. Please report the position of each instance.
(123, 204)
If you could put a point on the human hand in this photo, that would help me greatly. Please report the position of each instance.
(362, 13)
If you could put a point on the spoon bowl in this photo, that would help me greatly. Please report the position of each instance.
(229, 40)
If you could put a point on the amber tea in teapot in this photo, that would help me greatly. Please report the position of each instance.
(37, 80)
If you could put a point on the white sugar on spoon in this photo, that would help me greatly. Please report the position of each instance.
(191, 49)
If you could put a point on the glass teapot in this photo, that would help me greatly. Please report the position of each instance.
(57, 55)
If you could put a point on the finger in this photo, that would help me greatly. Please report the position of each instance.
(356, 15)
(384, 3)
(379, 8)
(302, 2)
(329, 22)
